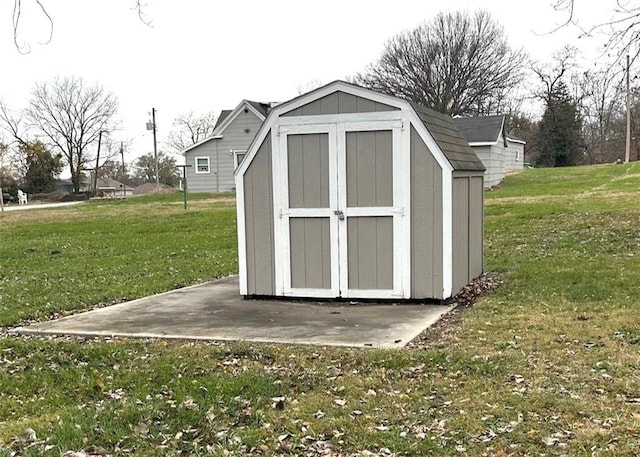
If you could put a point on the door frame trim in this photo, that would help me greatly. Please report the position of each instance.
(337, 200)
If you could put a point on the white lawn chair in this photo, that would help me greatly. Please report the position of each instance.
(22, 198)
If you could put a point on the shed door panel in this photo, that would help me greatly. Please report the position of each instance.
(369, 200)
(370, 246)
(310, 253)
(369, 177)
(308, 165)
(309, 215)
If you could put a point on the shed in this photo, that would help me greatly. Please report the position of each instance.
(500, 151)
(350, 193)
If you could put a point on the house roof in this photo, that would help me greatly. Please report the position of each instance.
(485, 129)
(264, 108)
(223, 115)
(227, 117)
(481, 129)
(453, 144)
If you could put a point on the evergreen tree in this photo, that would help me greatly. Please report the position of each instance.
(42, 167)
(560, 142)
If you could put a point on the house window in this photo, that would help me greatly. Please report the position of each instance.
(517, 155)
(238, 156)
(202, 165)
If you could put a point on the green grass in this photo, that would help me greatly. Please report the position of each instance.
(75, 257)
(546, 364)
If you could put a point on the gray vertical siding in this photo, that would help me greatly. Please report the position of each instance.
(258, 207)
(220, 178)
(340, 103)
(308, 164)
(460, 227)
(369, 158)
(468, 226)
(310, 252)
(370, 252)
(476, 226)
(426, 222)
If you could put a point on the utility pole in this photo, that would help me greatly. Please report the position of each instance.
(124, 186)
(155, 145)
(628, 144)
(95, 171)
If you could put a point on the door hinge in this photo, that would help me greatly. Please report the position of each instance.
(284, 212)
(399, 211)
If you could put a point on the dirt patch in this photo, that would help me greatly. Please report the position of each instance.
(151, 189)
(441, 333)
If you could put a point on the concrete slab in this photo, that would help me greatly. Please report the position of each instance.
(216, 311)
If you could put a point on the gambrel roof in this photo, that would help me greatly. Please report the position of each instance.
(450, 141)
(453, 144)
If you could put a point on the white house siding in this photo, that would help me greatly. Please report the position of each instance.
(514, 157)
(237, 136)
(492, 159)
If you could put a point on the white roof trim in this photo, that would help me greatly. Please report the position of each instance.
(483, 143)
(217, 133)
(514, 140)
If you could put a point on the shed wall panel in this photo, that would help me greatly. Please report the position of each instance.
(340, 103)
(460, 233)
(476, 226)
(310, 252)
(308, 165)
(426, 221)
(369, 159)
(258, 201)
(370, 252)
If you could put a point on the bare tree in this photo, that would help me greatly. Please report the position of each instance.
(71, 114)
(24, 48)
(551, 74)
(604, 130)
(12, 124)
(189, 129)
(622, 30)
(457, 63)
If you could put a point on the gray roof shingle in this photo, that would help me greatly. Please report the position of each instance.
(451, 141)
(481, 129)
(223, 115)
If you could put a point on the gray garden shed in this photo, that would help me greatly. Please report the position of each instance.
(346, 192)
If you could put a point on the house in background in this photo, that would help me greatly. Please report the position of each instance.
(500, 152)
(213, 160)
(64, 186)
(107, 187)
(110, 188)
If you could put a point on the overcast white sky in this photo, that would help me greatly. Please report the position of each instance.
(205, 55)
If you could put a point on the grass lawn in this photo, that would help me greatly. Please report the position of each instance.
(548, 364)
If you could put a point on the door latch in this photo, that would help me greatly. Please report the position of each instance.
(340, 214)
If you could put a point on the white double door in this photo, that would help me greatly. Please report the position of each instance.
(342, 227)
